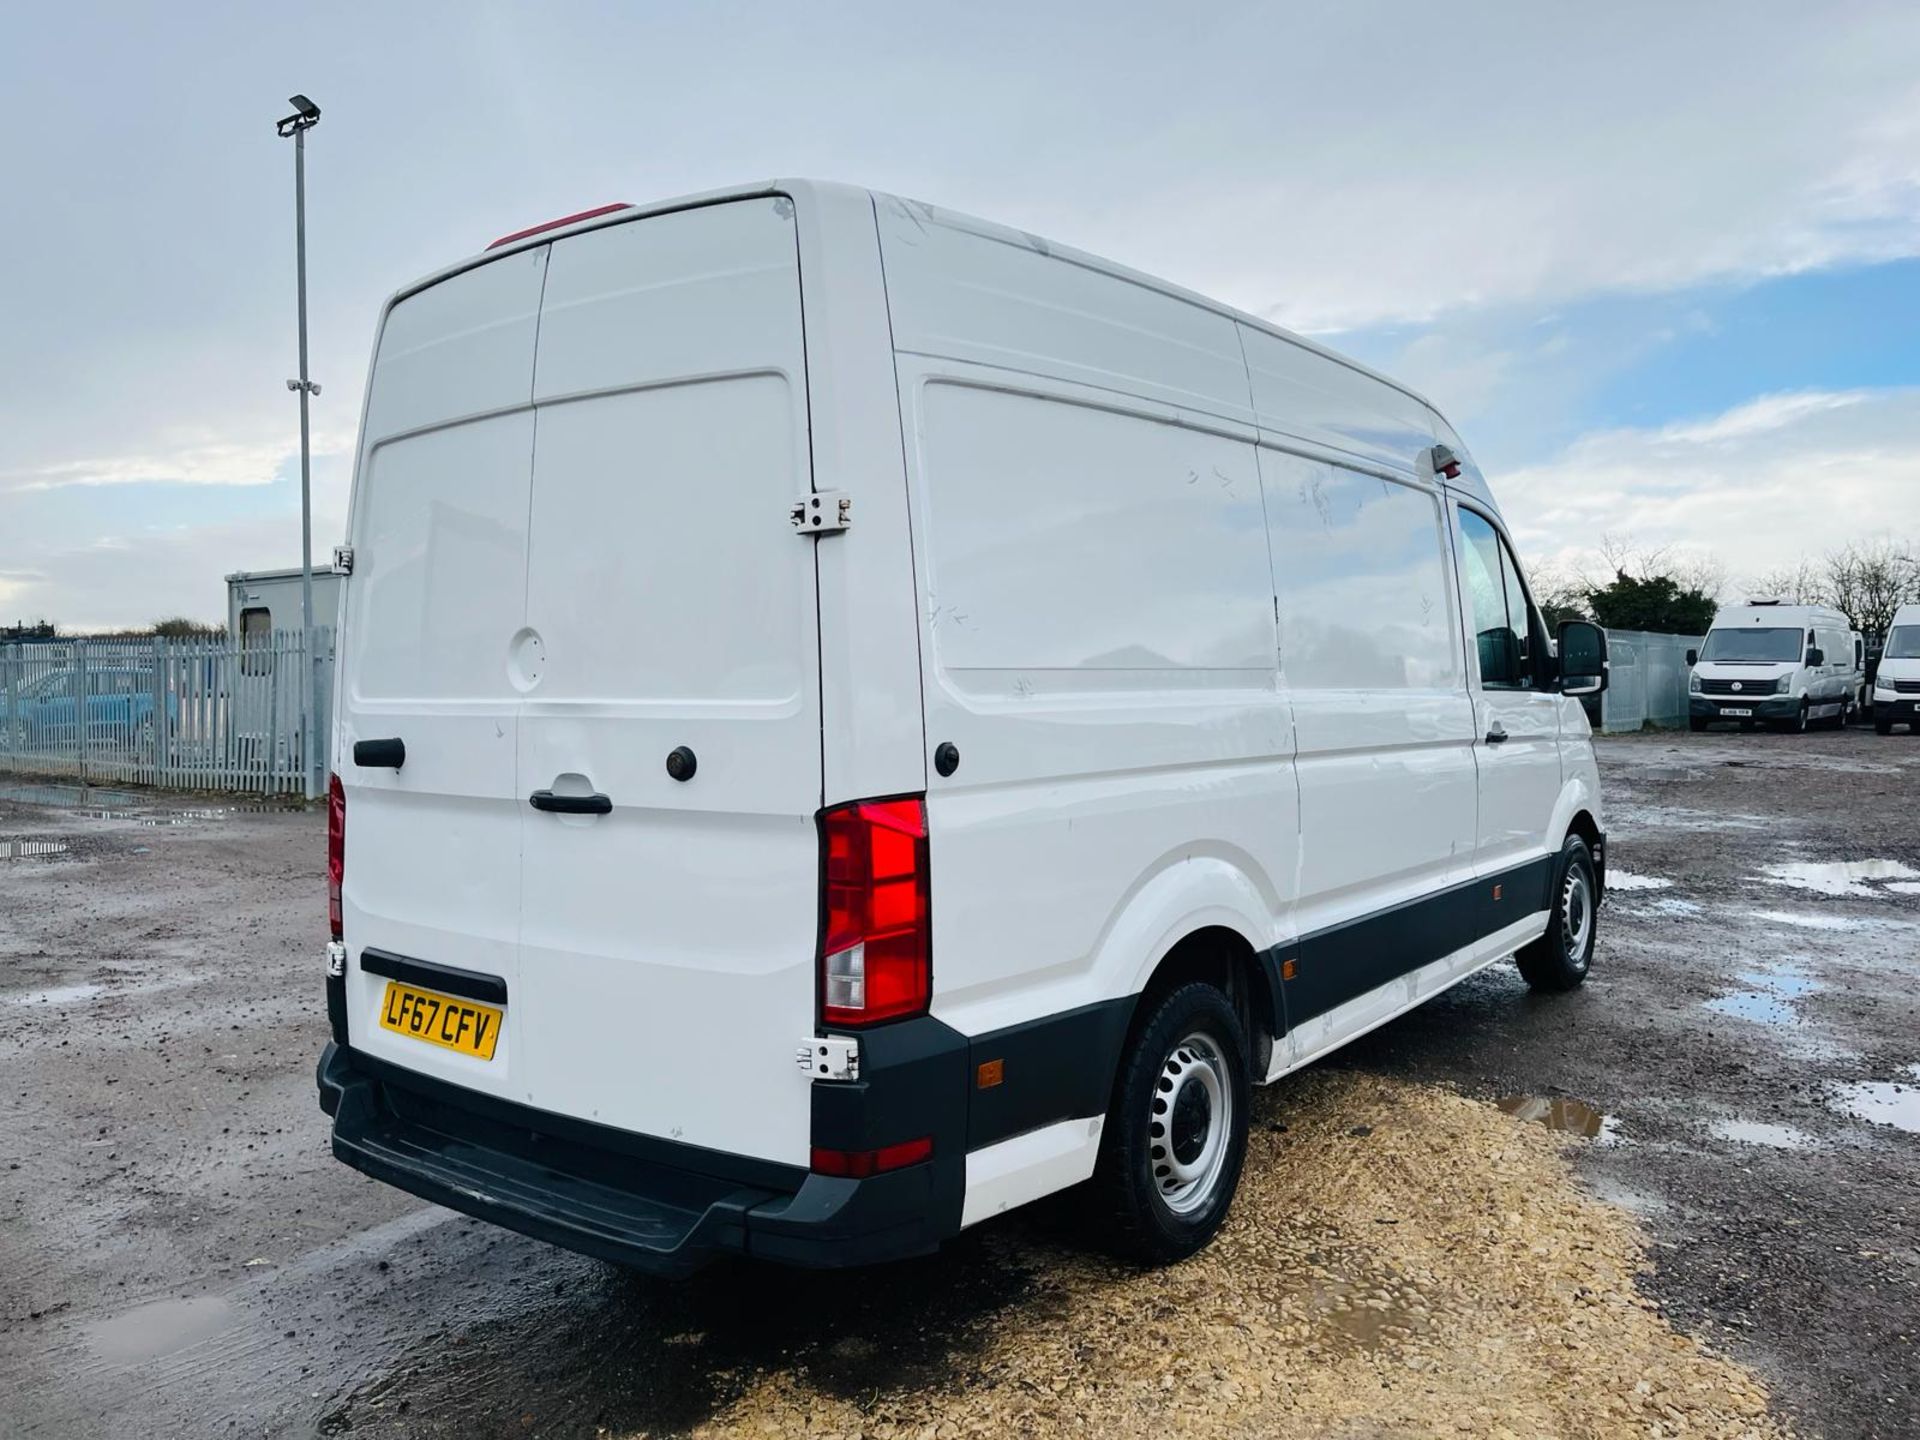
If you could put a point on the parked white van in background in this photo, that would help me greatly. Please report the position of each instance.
(1788, 665)
(1896, 684)
(851, 719)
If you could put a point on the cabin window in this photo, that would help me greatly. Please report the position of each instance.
(1497, 604)
(256, 640)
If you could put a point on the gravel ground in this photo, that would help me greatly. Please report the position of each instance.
(1723, 1237)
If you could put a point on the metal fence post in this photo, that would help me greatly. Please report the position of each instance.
(80, 708)
(159, 711)
(10, 662)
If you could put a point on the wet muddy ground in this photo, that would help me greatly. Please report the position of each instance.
(1683, 1200)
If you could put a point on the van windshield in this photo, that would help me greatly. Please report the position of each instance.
(1773, 645)
(1903, 643)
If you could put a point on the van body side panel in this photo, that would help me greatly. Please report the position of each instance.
(1371, 656)
(1109, 731)
(439, 534)
(1098, 636)
(673, 938)
(1302, 394)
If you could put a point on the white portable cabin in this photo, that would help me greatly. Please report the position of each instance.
(263, 617)
(262, 601)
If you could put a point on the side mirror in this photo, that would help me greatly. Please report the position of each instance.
(1816, 656)
(1693, 658)
(1583, 658)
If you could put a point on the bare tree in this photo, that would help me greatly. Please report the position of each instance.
(1698, 571)
(1560, 594)
(1870, 579)
(1802, 583)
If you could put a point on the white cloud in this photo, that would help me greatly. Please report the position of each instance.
(131, 580)
(1763, 485)
(203, 458)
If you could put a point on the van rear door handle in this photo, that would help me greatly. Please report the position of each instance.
(1496, 733)
(380, 754)
(570, 804)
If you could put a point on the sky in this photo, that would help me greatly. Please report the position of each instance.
(1659, 264)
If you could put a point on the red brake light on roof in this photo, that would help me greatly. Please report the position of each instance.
(563, 220)
(876, 960)
(336, 848)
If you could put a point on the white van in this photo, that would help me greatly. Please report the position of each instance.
(851, 719)
(1787, 665)
(1896, 684)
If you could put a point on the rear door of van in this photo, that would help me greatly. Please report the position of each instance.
(439, 532)
(641, 595)
(667, 946)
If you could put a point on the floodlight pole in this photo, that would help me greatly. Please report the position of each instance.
(306, 115)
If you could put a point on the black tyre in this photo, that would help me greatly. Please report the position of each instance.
(1560, 959)
(1797, 725)
(1176, 1132)
(1696, 723)
(1882, 727)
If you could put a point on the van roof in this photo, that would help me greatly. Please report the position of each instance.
(802, 189)
(1760, 612)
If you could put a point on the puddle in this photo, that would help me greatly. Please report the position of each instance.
(1812, 922)
(1839, 877)
(1368, 1317)
(1665, 905)
(1556, 1112)
(1895, 1103)
(1761, 1009)
(54, 994)
(68, 797)
(1626, 880)
(1759, 1132)
(31, 849)
(1632, 814)
(1788, 980)
(1769, 1000)
(160, 1328)
(1904, 887)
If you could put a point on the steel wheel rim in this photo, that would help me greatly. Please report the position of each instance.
(1576, 915)
(1189, 1122)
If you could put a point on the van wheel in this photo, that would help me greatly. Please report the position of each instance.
(1882, 726)
(1696, 724)
(1559, 959)
(1176, 1132)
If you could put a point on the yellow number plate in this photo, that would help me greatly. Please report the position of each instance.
(463, 1025)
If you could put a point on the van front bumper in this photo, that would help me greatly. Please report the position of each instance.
(650, 1204)
(1774, 707)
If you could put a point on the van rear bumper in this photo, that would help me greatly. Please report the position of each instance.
(649, 1204)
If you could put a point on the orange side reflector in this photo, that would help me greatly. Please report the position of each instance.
(1496, 892)
(1288, 968)
(990, 1073)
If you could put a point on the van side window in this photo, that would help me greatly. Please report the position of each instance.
(1497, 605)
(256, 641)
(1359, 569)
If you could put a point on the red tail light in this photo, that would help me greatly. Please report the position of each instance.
(876, 962)
(336, 848)
(859, 1164)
